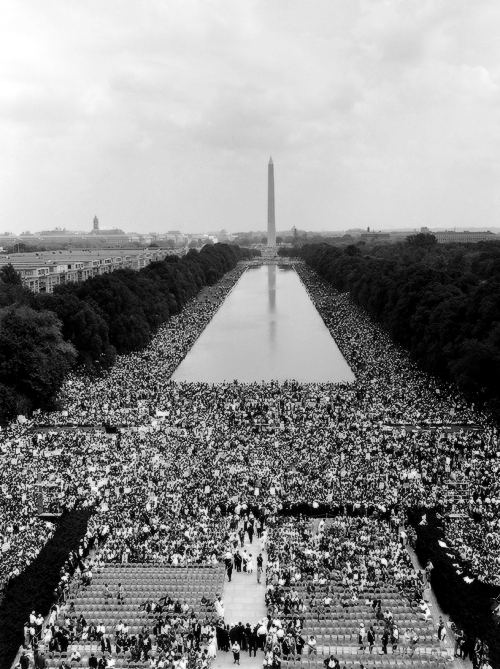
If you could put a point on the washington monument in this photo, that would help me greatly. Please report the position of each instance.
(271, 223)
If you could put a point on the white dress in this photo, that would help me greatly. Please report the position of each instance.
(212, 648)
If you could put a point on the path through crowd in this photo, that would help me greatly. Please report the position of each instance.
(244, 600)
(437, 613)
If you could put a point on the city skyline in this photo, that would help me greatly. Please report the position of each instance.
(380, 114)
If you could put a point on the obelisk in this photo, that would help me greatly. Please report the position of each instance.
(271, 223)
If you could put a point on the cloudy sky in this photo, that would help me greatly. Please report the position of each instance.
(162, 114)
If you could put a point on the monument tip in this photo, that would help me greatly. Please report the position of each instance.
(271, 160)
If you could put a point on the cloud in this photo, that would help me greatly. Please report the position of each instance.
(161, 114)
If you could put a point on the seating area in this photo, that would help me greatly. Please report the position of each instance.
(341, 624)
(336, 626)
(374, 661)
(336, 631)
(140, 582)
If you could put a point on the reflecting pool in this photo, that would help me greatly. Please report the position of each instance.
(266, 329)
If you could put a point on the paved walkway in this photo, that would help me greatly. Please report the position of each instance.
(244, 597)
(244, 600)
(437, 612)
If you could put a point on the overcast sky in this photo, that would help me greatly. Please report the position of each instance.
(159, 115)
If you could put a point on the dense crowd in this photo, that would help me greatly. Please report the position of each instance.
(177, 460)
(28, 450)
(355, 551)
(358, 552)
(361, 554)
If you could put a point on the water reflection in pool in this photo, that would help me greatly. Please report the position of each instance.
(266, 329)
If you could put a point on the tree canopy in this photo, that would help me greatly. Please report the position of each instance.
(440, 301)
(9, 276)
(34, 358)
(42, 336)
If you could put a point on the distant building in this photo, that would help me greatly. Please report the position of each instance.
(375, 236)
(174, 236)
(41, 271)
(224, 236)
(109, 233)
(447, 236)
(401, 235)
(450, 236)
(97, 231)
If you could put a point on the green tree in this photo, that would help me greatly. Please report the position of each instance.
(440, 302)
(82, 326)
(421, 240)
(11, 404)
(9, 276)
(34, 358)
(352, 250)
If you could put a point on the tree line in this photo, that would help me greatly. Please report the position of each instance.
(440, 301)
(44, 336)
(469, 604)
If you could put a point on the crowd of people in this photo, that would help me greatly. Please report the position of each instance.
(166, 465)
(31, 453)
(358, 553)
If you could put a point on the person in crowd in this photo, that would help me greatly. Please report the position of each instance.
(362, 637)
(219, 606)
(75, 656)
(371, 638)
(312, 645)
(24, 660)
(120, 594)
(441, 630)
(235, 649)
(385, 640)
(250, 564)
